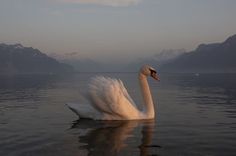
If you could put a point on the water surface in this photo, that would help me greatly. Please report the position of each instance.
(195, 115)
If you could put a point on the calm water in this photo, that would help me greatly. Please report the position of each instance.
(196, 116)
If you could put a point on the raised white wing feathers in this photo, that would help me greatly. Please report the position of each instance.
(109, 96)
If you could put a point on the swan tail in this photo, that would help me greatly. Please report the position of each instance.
(83, 110)
(73, 107)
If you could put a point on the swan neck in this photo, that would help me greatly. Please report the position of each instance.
(147, 97)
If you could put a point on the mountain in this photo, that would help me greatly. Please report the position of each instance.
(157, 60)
(87, 65)
(16, 59)
(216, 57)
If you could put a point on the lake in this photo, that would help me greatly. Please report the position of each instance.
(195, 116)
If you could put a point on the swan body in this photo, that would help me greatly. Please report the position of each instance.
(110, 100)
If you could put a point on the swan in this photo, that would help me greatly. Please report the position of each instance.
(109, 99)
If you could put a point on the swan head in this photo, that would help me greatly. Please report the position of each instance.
(149, 71)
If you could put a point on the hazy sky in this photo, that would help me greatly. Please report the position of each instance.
(115, 29)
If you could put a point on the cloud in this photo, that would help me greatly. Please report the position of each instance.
(113, 3)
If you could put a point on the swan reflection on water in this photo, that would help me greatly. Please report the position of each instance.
(116, 137)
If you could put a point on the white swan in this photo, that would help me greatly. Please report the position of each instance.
(110, 100)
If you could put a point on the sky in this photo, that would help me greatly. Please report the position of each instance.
(115, 30)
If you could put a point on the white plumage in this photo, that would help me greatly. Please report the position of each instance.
(110, 100)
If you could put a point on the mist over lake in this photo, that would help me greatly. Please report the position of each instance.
(195, 115)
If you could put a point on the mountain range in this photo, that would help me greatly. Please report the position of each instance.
(156, 60)
(16, 59)
(89, 65)
(215, 57)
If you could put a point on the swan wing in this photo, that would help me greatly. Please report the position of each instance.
(126, 94)
(109, 96)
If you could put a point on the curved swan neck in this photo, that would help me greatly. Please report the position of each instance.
(147, 97)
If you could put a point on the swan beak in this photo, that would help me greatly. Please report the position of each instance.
(155, 76)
